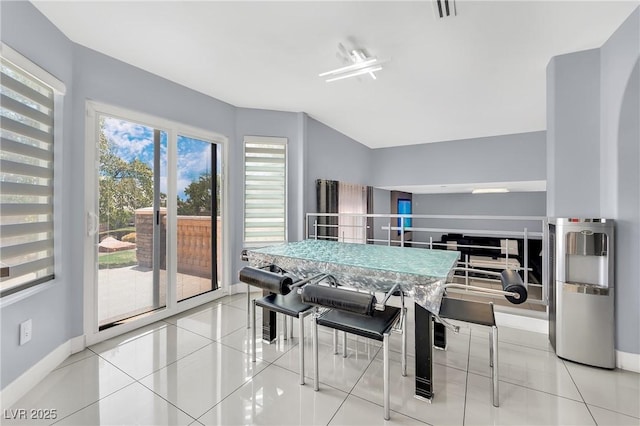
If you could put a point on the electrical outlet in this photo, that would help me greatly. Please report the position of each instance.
(26, 330)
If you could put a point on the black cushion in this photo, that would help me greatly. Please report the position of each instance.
(291, 304)
(372, 327)
(266, 280)
(512, 282)
(464, 310)
(337, 298)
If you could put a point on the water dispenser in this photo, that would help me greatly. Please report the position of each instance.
(581, 298)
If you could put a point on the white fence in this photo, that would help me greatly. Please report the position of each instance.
(512, 242)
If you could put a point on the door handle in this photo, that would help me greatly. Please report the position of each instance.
(92, 224)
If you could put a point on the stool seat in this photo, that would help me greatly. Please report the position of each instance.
(372, 327)
(290, 305)
(482, 314)
(467, 311)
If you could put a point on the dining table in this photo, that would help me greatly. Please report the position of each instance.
(418, 272)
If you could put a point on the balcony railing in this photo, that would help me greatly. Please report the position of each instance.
(486, 242)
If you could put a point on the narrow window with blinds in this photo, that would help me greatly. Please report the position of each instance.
(26, 179)
(265, 195)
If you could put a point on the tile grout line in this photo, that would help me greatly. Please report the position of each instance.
(250, 379)
(578, 389)
(105, 396)
(174, 405)
(356, 382)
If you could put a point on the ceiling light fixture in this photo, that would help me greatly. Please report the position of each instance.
(489, 191)
(369, 70)
(360, 64)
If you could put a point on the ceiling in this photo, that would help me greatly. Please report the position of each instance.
(480, 73)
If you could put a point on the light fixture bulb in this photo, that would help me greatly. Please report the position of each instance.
(370, 70)
(489, 191)
(360, 64)
(357, 65)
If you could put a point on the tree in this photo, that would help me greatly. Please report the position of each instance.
(198, 201)
(124, 186)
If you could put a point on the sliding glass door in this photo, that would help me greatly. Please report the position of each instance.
(131, 241)
(156, 230)
(198, 220)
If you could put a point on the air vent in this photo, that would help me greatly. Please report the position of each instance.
(444, 8)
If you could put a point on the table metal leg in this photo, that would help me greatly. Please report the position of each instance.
(268, 323)
(424, 355)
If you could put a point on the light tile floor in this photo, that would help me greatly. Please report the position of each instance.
(195, 369)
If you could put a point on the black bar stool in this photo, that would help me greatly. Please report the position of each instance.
(281, 300)
(354, 313)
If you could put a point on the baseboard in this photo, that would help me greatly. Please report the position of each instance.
(77, 344)
(628, 361)
(30, 378)
(624, 360)
(538, 325)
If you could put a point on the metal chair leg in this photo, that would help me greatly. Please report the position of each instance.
(404, 342)
(335, 341)
(495, 395)
(314, 331)
(284, 326)
(248, 306)
(290, 327)
(385, 348)
(253, 333)
(301, 346)
(344, 344)
(491, 349)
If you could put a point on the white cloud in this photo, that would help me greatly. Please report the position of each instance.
(133, 140)
(129, 139)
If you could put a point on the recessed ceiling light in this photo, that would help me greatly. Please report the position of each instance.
(489, 190)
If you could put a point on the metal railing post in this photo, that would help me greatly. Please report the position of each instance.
(466, 272)
(429, 235)
(506, 257)
(526, 256)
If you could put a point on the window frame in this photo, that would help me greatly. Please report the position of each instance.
(24, 290)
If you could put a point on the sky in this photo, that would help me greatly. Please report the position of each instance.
(131, 140)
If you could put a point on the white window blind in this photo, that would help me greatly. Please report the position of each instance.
(265, 198)
(26, 179)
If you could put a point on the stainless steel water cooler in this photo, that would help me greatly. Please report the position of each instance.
(581, 303)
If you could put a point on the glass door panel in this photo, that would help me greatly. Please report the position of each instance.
(131, 242)
(198, 222)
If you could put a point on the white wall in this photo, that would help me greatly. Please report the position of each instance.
(332, 155)
(518, 157)
(49, 307)
(573, 135)
(594, 155)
